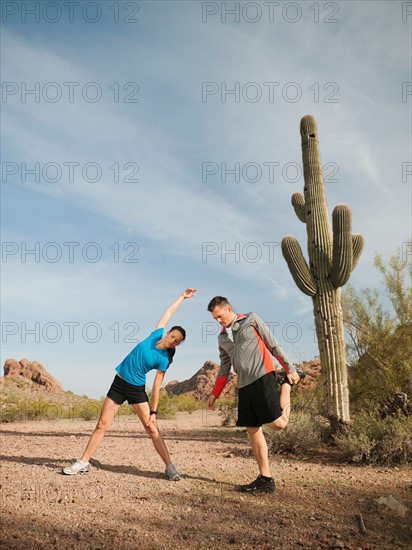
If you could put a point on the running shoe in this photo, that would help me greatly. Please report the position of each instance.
(260, 485)
(77, 467)
(171, 473)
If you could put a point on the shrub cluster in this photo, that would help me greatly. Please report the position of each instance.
(227, 408)
(14, 409)
(170, 404)
(373, 440)
(302, 434)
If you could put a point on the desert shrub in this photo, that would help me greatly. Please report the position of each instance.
(310, 401)
(374, 440)
(89, 410)
(187, 403)
(379, 332)
(14, 409)
(227, 410)
(302, 434)
(167, 406)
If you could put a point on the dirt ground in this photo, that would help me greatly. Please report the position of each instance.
(126, 503)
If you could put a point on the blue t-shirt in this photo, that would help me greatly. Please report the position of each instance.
(143, 358)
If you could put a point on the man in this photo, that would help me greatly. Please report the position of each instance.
(246, 343)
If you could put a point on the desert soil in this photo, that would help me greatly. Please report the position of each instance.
(126, 503)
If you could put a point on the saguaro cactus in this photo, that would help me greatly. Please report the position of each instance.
(332, 257)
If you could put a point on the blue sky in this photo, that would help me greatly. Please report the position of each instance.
(155, 197)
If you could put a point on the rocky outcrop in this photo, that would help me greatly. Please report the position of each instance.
(201, 383)
(313, 375)
(33, 372)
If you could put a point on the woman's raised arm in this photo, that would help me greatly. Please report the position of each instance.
(164, 319)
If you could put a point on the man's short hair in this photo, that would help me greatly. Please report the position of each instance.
(218, 301)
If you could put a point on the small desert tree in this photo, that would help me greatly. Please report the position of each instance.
(379, 328)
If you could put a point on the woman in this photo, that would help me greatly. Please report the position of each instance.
(155, 352)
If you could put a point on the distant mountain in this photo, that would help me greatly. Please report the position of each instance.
(201, 383)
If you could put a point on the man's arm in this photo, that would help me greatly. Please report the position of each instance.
(272, 345)
(221, 378)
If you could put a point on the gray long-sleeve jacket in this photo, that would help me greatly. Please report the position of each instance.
(249, 353)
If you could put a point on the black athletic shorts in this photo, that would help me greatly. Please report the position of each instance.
(121, 390)
(259, 402)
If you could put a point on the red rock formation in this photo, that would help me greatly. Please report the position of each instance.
(201, 383)
(32, 371)
(313, 375)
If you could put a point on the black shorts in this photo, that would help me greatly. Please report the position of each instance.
(259, 402)
(121, 390)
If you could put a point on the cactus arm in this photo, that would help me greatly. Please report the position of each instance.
(297, 265)
(357, 247)
(342, 256)
(298, 203)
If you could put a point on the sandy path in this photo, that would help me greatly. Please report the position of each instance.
(127, 504)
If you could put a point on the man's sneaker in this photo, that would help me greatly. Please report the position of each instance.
(77, 467)
(260, 485)
(283, 379)
(171, 473)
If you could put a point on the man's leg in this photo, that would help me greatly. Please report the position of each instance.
(260, 449)
(264, 483)
(283, 420)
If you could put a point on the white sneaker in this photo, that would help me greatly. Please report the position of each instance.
(77, 467)
(171, 473)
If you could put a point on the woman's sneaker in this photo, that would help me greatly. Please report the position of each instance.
(77, 467)
(260, 485)
(171, 473)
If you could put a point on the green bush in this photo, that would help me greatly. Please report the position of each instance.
(15, 410)
(187, 403)
(373, 440)
(302, 434)
(167, 406)
(227, 410)
(90, 410)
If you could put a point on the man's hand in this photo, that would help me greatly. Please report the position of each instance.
(189, 293)
(211, 403)
(294, 378)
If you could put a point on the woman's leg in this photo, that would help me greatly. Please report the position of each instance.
(143, 412)
(109, 409)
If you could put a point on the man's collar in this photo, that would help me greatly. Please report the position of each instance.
(238, 317)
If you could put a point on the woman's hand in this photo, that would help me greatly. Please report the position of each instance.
(152, 420)
(189, 293)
